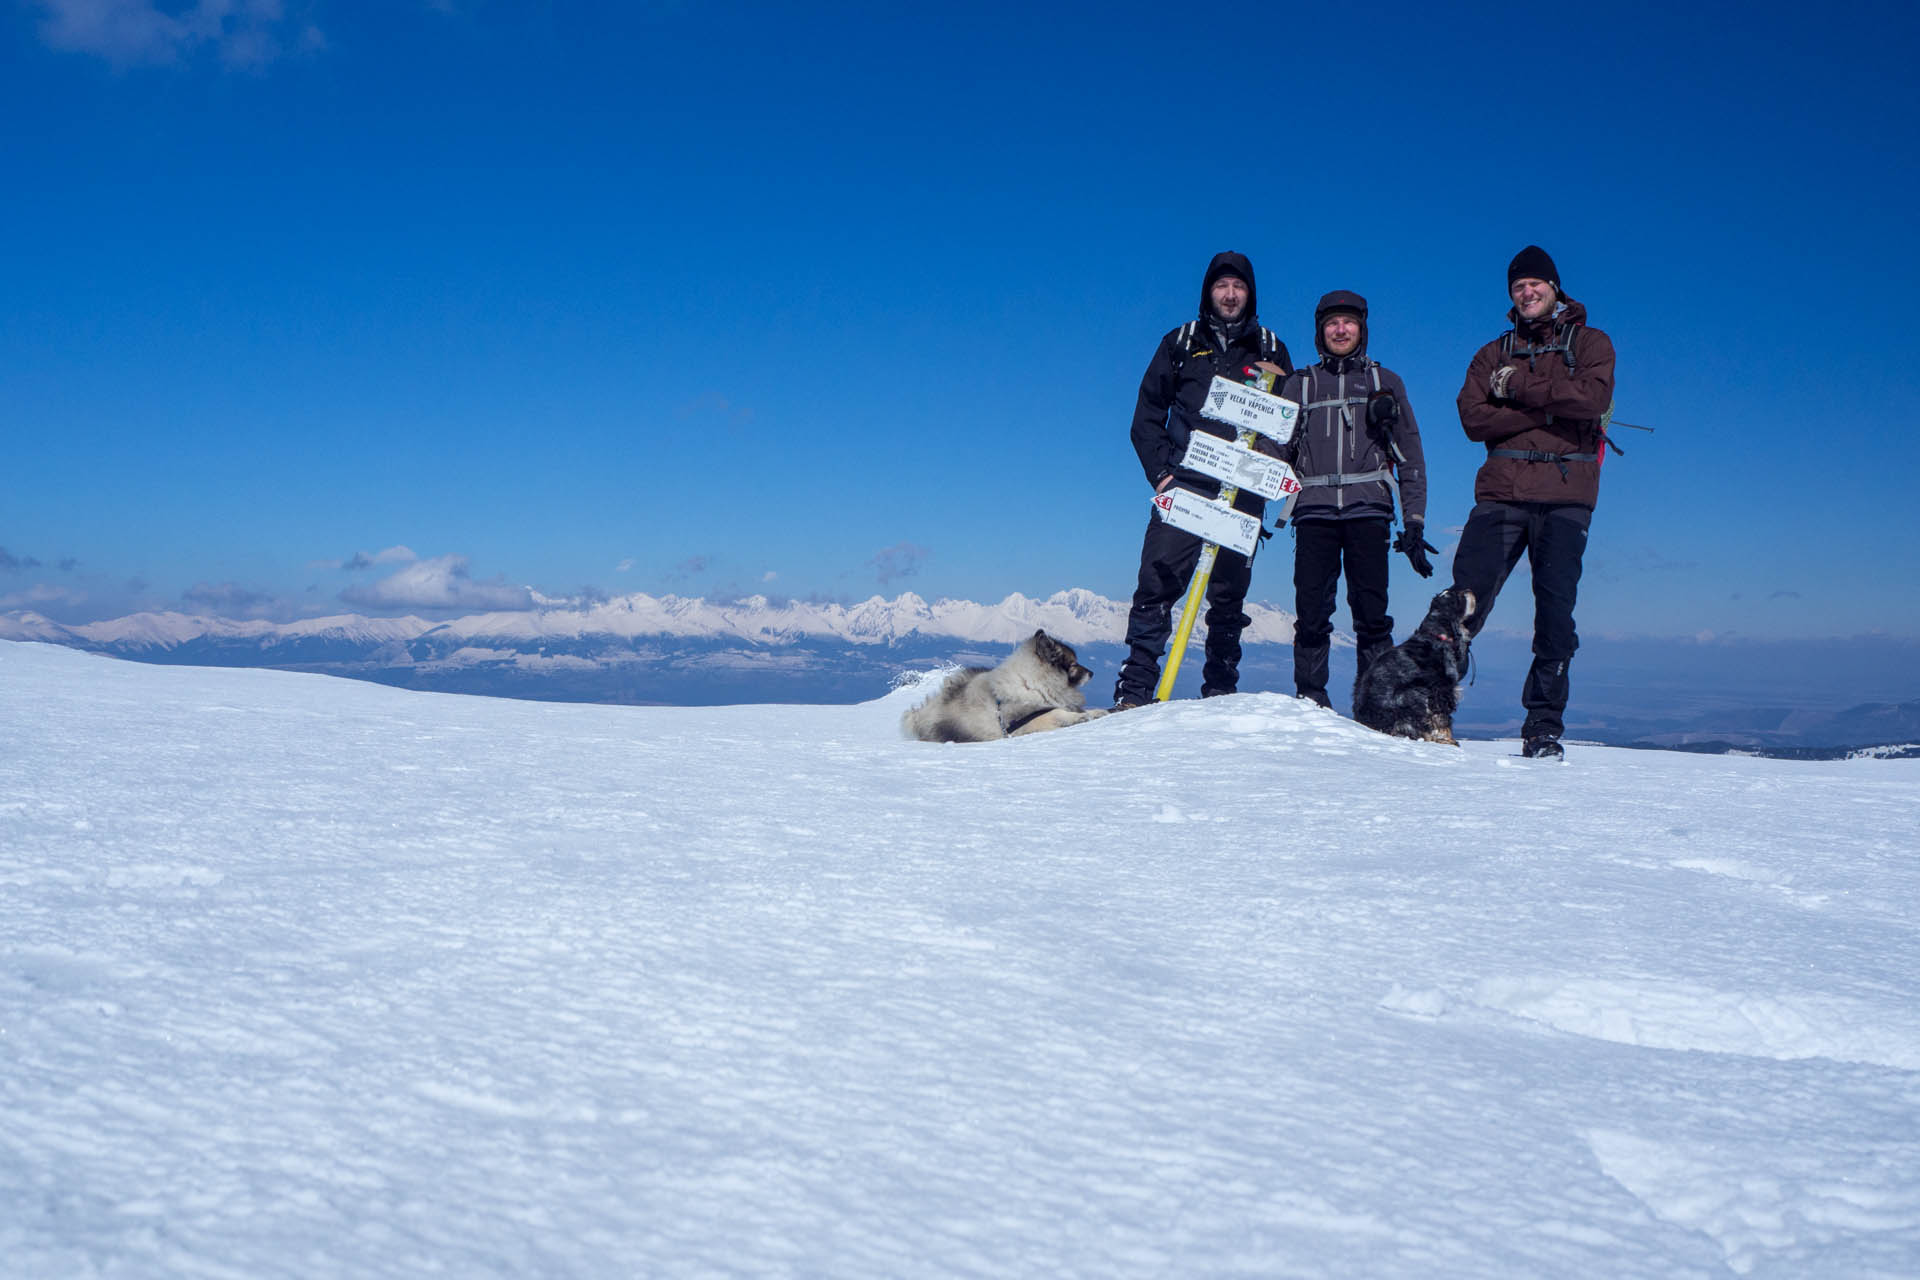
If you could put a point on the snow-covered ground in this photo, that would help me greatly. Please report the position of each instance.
(308, 977)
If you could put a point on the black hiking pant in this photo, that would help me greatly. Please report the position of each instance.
(1554, 538)
(1167, 557)
(1321, 547)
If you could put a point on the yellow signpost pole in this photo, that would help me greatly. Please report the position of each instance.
(1196, 594)
(1229, 491)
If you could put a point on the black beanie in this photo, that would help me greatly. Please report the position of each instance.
(1533, 263)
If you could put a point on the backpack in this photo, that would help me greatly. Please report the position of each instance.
(1562, 344)
(1380, 434)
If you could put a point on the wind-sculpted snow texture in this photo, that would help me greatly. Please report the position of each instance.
(308, 977)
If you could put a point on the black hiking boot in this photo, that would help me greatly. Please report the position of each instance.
(1542, 748)
(1310, 673)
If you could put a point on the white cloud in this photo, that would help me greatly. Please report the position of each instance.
(41, 594)
(243, 33)
(440, 583)
(364, 560)
(227, 598)
(901, 560)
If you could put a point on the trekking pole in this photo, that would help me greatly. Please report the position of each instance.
(1608, 420)
(1203, 567)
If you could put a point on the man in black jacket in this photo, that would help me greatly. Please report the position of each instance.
(1226, 340)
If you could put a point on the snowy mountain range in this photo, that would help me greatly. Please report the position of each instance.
(633, 649)
(689, 651)
(1077, 616)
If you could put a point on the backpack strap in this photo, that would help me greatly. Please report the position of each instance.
(1563, 342)
(1184, 337)
(1181, 341)
(1536, 455)
(1567, 336)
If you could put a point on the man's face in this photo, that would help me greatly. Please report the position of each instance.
(1340, 333)
(1228, 297)
(1532, 298)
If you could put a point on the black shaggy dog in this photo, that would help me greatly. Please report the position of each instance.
(1412, 689)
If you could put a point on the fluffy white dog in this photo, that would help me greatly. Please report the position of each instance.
(1038, 687)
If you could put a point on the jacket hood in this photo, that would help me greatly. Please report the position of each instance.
(1229, 264)
(1340, 300)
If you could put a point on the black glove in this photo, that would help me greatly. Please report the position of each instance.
(1383, 420)
(1383, 412)
(1414, 547)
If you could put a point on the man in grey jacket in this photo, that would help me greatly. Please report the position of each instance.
(1356, 447)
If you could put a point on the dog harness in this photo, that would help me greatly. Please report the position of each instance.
(1024, 720)
(1466, 650)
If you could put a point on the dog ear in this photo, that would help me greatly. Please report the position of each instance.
(1051, 651)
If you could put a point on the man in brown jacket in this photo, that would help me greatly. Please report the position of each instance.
(1538, 397)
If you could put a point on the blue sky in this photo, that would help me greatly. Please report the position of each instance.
(315, 306)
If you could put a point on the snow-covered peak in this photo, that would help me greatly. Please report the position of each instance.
(1076, 615)
(353, 626)
(169, 630)
(28, 625)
